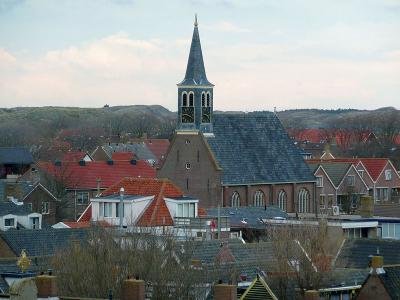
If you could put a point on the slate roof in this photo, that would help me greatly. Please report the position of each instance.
(75, 176)
(357, 253)
(195, 71)
(43, 242)
(391, 281)
(251, 215)
(335, 170)
(8, 207)
(15, 155)
(254, 148)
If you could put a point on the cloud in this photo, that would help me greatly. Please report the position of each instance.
(225, 26)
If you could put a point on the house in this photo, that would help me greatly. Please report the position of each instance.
(14, 161)
(14, 214)
(244, 159)
(338, 185)
(80, 181)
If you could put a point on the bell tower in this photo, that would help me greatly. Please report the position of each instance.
(195, 92)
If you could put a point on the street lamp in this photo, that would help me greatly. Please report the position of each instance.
(121, 207)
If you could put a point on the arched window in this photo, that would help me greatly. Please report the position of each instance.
(258, 198)
(208, 99)
(203, 99)
(191, 99)
(303, 201)
(184, 99)
(282, 200)
(235, 199)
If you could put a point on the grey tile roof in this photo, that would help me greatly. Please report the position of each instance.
(15, 155)
(140, 150)
(254, 148)
(41, 242)
(195, 71)
(391, 280)
(8, 207)
(357, 253)
(252, 216)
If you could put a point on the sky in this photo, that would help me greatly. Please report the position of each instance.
(287, 54)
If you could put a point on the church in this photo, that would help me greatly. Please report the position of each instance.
(241, 159)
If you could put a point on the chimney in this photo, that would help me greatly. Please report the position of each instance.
(133, 289)
(46, 286)
(366, 206)
(377, 265)
(225, 292)
(311, 295)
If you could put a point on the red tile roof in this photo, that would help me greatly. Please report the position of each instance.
(144, 187)
(75, 176)
(158, 147)
(123, 156)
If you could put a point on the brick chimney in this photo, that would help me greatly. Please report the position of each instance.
(225, 292)
(46, 286)
(311, 295)
(133, 289)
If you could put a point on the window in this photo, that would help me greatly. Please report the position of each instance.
(258, 199)
(191, 99)
(45, 207)
(322, 201)
(9, 222)
(235, 199)
(350, 180)
(208, 99)
(203, 99)
(187, 166)
(282, 199)
(382, 194)
(303, 201)
(82, 197)
(107, 209)
(320, 181)
(388, 174)
(184, 99)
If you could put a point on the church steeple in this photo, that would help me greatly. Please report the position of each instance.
(195, 92)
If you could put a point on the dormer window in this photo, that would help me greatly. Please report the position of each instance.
(184, 99)
(191, 99)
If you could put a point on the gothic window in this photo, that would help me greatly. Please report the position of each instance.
(303, 201)
(208, 99)
(282, 200)
(191, 99)
(203, 99)
(258, 198)
(184, 99)
(235, 199)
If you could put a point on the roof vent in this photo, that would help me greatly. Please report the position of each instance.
(82, 163)
(133, 162)
(110, 162)
(57, 163)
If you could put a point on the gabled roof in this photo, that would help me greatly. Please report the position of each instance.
(335, 170)
(144, 187)
(41, 242)
(75, 176)
(254, 148)
(195, 71)
(15, 155)
(258, 289)
(357, 253)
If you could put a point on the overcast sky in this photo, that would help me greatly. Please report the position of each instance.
(259, 54)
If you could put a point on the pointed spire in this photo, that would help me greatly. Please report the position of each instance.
(195, 71)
